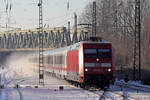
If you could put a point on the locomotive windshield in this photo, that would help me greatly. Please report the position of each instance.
(97, 53)
(90, 53)
(103, 53)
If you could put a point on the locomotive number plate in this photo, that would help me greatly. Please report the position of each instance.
(98, 64)
(96, 70)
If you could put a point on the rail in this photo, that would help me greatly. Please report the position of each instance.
(122, 95)
(8, 81)
(103, 94)
(133, 86)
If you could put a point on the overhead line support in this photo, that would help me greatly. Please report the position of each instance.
(137, 45)
(41, 65)
(94, 19)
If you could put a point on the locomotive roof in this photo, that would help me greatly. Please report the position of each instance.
(93, 42)
(73, 47)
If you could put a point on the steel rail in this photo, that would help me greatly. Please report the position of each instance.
(133, 86)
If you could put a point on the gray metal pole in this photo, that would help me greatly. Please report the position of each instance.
(94, 20)
(41, 66)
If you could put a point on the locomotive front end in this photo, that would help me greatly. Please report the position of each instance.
(98, 63)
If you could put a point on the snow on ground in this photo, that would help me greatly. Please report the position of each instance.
(131, 94)
(50, 91)
(53, 93)
(20, 72)
(134, 83)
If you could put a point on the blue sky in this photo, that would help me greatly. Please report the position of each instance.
(24, 13)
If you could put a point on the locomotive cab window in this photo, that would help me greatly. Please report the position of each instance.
(97, 53)
(90, 53)
(103, 53)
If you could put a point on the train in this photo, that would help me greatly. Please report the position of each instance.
(85, 62)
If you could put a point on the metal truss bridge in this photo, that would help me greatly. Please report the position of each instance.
(29, 39)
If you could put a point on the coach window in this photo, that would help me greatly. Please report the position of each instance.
(44, 60)
(55, 59)
(63, 60)
(60, 60)
(51, 59)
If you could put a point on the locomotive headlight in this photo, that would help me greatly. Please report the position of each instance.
(97, 59)
(109, 70)
(86, 69)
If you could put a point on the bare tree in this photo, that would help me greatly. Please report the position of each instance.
(116, 23)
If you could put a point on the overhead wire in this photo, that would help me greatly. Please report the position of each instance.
(64, 22)
(63, 17)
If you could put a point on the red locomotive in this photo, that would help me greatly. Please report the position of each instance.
(86, 62)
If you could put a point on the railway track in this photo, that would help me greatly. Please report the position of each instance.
(124, 94)
(104, 94)
(11, 81)
(136, 87)
(110, 94)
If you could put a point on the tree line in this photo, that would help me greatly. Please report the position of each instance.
(116, 23)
